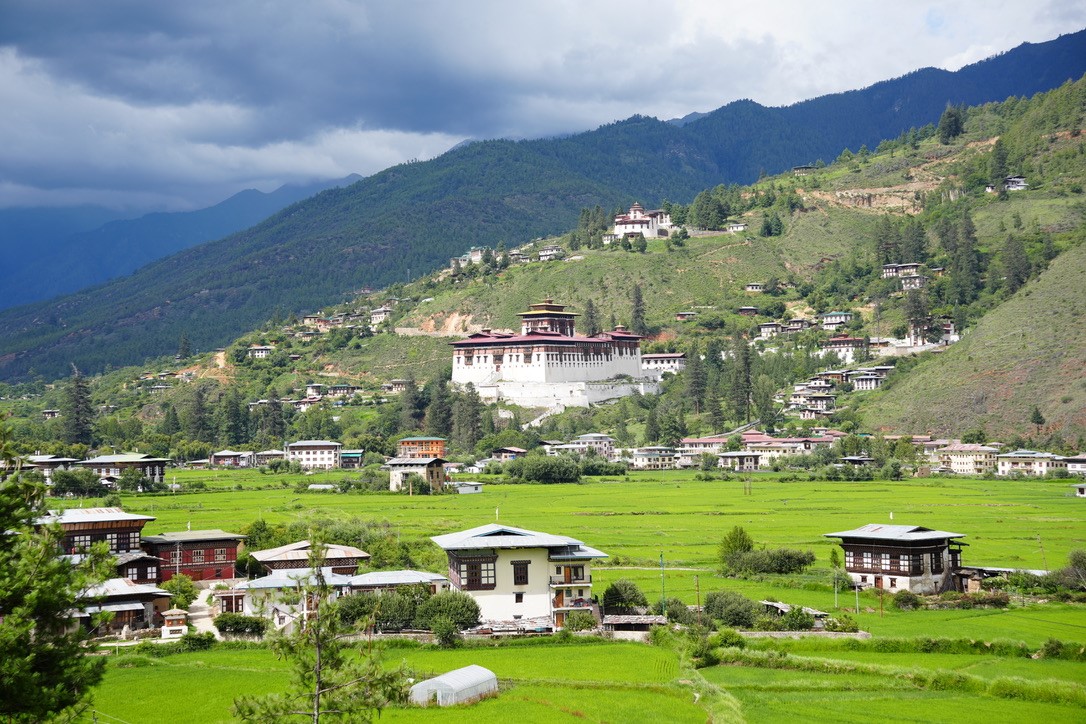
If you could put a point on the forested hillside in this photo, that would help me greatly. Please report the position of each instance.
(411, 218)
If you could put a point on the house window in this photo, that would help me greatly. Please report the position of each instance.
(132, 573)
(111, 538)
(152, 572)
(518, 598)
(849, 559)
(134, 540)
(936, 563)
(520, 573)
(863, 579)
(578, 573)
(885, 561)
(893, 583)
(477, 575)
(867, 560)
(558, 570)
(198, 556)
(81, 541)
(220, 554)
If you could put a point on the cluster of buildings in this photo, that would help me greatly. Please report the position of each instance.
(974, 459)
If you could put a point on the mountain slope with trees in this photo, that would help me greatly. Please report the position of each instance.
(411, 218)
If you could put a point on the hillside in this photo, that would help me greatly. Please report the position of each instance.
(410, 219)
(113, 248)
(1028, 352)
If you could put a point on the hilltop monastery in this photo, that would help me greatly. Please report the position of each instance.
(548, 364)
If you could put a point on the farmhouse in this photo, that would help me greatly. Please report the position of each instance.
(685, 316)
(134, 606)
(379, 315)
(231, 459)
(1015, 183)
(201, 555)
(734, 227)
(1076, 464)
(551, 253)
(548, 364)
(1028, 462)
(259, 351)
(832, 320)
(50, 414)
(421, 447)
(432, 470)
(967, 458)
(293, 556)
(740, 460)
(654, 457)
(111, 466)
(48, 463)
(901, 557)
(518, 575)
(755, 287)
(769, 329)
(314, 454)
(85, 526)
(638, 221)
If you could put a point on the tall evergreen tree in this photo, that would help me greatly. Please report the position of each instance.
(591, 319)
(913, 242)
(762, 395)
(410, 410)
(742, 384)
(467, 418)
(1016, 266)
(696, 378)
(77, 414)
(197, 423)
(184, 349)
(637, 311)
(233, 416)
(652, 427)
(439, 412)
(170, 424)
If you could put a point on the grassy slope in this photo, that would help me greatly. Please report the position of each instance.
(1029, 351)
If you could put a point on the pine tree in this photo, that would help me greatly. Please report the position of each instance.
(1015, 264)
(951, 124)
(77, 415)
(197, 425)
(637, 312)
(439, 412)
(410, 414)
(467, 418)
(184, 350)
(696, 381)
(997, 164)
(913, 242)
(742, 382)
(170, 425)
(652, 427)
(233, 418)
(1037, 418)
(591, 319)
(762, 393)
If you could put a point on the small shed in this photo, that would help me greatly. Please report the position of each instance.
(460, 686)
(174, 623)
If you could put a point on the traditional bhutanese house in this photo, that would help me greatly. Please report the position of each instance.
(395, 386)
(379, 315)
(865, 382)
(857, 460)
(1015, 183)
(830, 321)
(202, 555)
(654, 223)
(740, 460)
(1076, 464)
(314, 454)
(693, 447)
(48, 463)
(351, 459)
(748, 311)
(266, 456)
(314, 389)
(755, 287)
(661, 362)
(769, 329)
(343, 390)
(382, 581)
(1080, 490)
(259, 351)
(432, 470)
(778, 609)
(822, 401)
(912, 281)
(111, 466)
(901, 557)
(551, 253)
(50, 414)
(797, 325)
(85, 526)
(421, 447)
(231, 459)
(134, 606)
(293, 556)
(508, 453)
(734, 227)
(518, 575)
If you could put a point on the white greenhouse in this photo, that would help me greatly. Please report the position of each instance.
(460, 686)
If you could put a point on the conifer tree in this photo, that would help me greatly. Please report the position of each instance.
(77, 415)
(591, 319)
(467, 418)
(1016, 266)
(439, 411)
(637, 311)
(652, 428)
(184, 349)
(742, 382)
(696, 378)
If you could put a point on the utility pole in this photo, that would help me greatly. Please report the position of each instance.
(697, 588)
(663, 594)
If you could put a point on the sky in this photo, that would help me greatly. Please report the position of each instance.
(146, 106)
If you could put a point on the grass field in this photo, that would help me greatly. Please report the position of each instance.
(1027, 523)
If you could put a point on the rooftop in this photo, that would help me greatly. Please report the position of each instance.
(494, 535)
(187, 536)
(90, 515)
(904, 533)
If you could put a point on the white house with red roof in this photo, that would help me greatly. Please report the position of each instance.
(652, 224)
(549, 364)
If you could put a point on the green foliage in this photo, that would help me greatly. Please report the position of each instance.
(182, 590)
(446, 632)
(731, 609)
(43, 667)
(453, 606)
(543, 469)
(580, 621)
(623, 596)
(905, 600)
(236, 623)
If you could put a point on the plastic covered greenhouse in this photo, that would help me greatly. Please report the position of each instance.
(460, 686)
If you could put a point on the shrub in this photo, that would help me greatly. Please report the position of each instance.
(459, 608)
(797, 620)
(843, 623)
(731, 609)
(182, 591)
(544, 469)
(768, 623)
(357, 607)
(771, 560)
(906, 601)
(446, 632)
(196, 641)
(580, 621)
(394, 611)
(623, 596)
(1052, 649)
(235, 623)
(729, 637)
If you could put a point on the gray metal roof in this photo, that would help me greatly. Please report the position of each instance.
(903, 533)
(90, 515)
(294, 578)
(395, 578)
(300, 551)
(493, 535)
(187, 536)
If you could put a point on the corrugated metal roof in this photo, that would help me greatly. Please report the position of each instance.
(895, 532)
(185, 536)
(494, 535)
(395, 578)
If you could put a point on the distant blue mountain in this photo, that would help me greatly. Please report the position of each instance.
(49, 252)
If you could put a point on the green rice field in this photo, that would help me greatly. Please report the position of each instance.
(635, 519)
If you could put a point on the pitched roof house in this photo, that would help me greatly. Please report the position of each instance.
(901, 557)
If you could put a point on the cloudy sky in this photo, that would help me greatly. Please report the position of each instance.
(176, 105)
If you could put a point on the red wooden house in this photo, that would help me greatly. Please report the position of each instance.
(200, 554)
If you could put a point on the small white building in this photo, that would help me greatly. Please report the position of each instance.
(652, 224)
(654, 457)
(551, 252)
(314, 454)
(673, 362)
(1076, 464)
(463, 487)
(755, 287)
(740, 460)
(379, 315)
(967, 458)
(259, 351)
(831, 321)
(518, 575)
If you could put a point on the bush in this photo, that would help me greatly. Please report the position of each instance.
(843, 623)
(623, 596)
(196, 641)
(1052, 649)
(544, 469)
(459, 608)
(730, 638)
(446, 632)
(357, 607)
(771, 560)
(797, 620)
(395, 611)
(235, 623)
(182, 591)
(580, 621)
(906, 601)
(731, 609)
